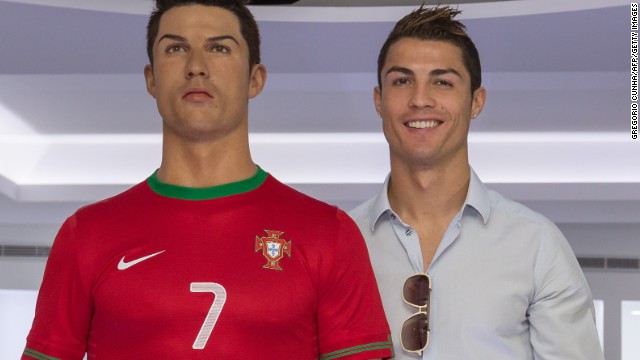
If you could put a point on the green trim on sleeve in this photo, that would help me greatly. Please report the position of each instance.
(37, 355)
(381, 345)
(187, 193)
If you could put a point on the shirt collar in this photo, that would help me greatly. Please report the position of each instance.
(189, 193)
(477, 198)
(380, 205)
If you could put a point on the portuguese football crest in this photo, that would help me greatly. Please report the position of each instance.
(273, 248)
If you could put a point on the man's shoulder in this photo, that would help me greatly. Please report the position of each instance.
(504, 207)
(362, 212)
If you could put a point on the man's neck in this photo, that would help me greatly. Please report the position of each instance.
(428, 192)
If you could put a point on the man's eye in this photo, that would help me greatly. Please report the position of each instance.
(401, 81)
(443, 83)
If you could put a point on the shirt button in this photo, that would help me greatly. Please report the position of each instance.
(393, 217)
(408, 232)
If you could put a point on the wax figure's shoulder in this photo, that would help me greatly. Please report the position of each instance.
(293, 202)
(128, 201)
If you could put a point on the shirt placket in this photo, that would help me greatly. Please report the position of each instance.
(408, 237)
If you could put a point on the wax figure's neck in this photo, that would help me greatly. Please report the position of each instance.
(206, 163)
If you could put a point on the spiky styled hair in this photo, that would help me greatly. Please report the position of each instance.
(435, 24)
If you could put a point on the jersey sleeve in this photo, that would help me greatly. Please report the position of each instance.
(562, 313)
(63, 309)
(351, 320)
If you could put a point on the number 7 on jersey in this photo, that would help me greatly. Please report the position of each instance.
(210, 321)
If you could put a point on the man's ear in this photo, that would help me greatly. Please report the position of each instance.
(478, 100)
(377, 100)
(258, 78)
(150, 80)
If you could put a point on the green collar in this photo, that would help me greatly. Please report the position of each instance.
(187, 193)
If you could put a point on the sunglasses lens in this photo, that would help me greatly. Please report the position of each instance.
(415, 332)
(416, 290)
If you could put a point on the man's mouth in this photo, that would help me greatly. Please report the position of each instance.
(423, 124)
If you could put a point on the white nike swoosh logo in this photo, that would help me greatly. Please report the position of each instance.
(122, 265)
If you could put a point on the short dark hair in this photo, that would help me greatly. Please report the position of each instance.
(248, 25)
(435, 24)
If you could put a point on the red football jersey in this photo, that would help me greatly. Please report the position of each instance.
(248, 270)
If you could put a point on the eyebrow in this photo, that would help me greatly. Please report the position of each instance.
(435, 72)
(438, 72)
(209, 40)
(399, 69)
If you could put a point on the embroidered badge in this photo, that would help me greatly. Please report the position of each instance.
(273, 248)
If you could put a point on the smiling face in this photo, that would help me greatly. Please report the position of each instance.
(426, 103)
(200, 75)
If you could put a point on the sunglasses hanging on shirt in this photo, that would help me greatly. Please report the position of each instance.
(416, 292)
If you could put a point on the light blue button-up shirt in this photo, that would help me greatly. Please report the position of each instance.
(505, 282)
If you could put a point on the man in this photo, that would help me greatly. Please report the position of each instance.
(210, 257)
(487, 278)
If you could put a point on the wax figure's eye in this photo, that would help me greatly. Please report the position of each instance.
(174, 48)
